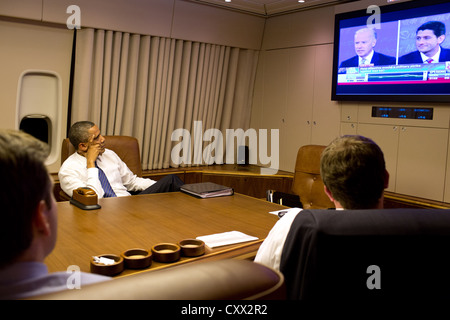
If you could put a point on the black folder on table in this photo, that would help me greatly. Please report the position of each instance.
(207, 190)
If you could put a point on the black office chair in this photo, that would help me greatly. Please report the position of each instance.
(359, 254)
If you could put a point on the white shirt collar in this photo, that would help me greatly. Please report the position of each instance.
(368, 58)
(435, 57)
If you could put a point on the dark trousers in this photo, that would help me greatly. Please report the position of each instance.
(169, 183)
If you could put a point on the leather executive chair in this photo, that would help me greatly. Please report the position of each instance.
(126, 147)
(212, 280)
(307, 183)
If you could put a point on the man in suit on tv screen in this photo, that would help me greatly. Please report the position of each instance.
(365, 41)
(429, 37)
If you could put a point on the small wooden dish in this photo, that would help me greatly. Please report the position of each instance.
(166, 252)
(192, 247)
(108, 270)
(137, 258)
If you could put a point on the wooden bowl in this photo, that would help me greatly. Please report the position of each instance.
(108, 270)
(192, 247)
(137, 258)
(166, 252)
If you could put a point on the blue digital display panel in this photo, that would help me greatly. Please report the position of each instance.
(402, 113)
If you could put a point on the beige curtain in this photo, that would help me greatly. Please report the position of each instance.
(148, 87)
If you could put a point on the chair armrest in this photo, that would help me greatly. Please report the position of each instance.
(213, 280)
(63, 196)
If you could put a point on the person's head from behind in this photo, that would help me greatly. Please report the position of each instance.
(28, 205)
(82, 132)
(354, 172)
(365, 40)
(429, 37)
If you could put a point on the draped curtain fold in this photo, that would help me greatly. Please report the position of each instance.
(147, 87)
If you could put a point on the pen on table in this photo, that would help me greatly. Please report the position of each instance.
(281, 214)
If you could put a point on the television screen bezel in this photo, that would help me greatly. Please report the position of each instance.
(371, 96)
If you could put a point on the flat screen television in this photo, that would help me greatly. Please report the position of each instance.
(393, 44)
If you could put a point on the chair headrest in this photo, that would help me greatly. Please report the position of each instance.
(308, 159)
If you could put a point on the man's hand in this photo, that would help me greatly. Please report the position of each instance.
(93, 151)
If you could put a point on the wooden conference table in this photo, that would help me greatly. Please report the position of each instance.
(143, 221)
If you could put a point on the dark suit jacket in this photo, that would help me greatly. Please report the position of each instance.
(415, 57)
(378, 59)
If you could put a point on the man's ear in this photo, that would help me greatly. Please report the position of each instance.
(328, 193)
(82, 147)
(441, 39)
(40, 220)
(386, 179)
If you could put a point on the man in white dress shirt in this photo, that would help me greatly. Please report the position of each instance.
(91, 159)
(354, 174)
(29, 221)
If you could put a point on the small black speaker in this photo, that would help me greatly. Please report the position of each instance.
(242, 157)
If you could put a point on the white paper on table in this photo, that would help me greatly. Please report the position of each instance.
(225, 238)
